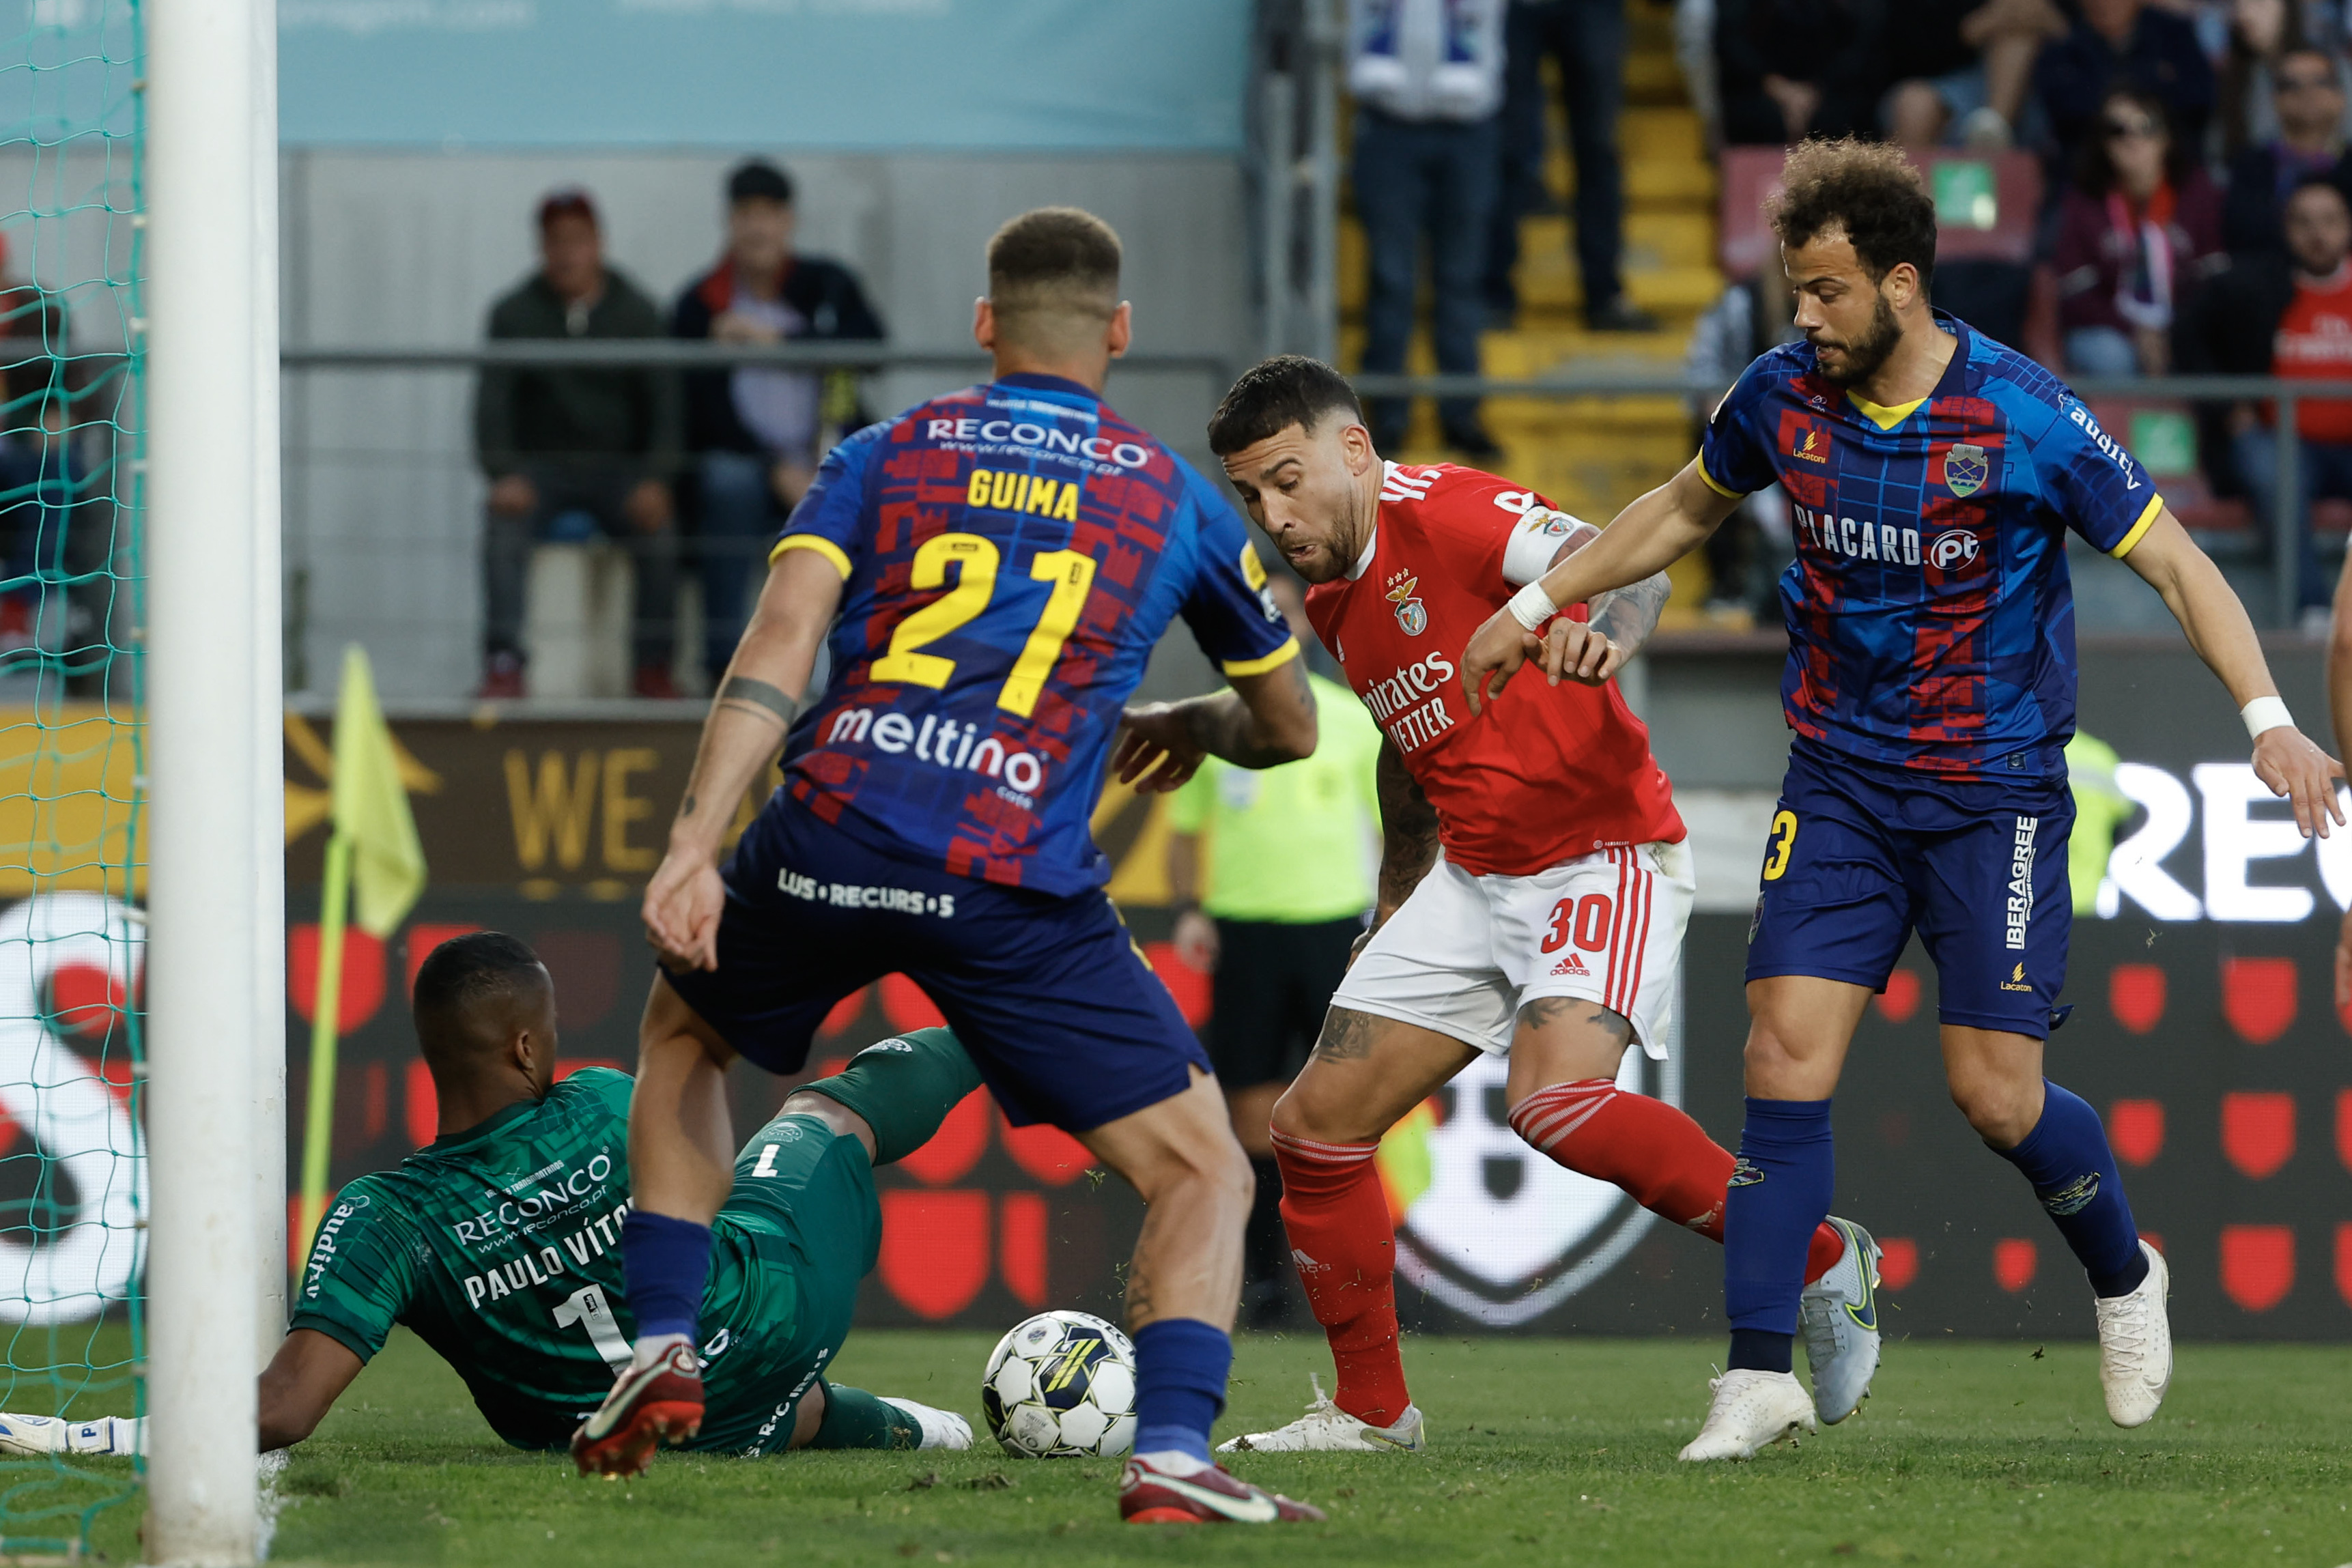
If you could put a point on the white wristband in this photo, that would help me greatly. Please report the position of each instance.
(2265, 713)
(1532, 606)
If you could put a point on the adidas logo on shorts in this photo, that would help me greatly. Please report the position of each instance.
(1572, 965)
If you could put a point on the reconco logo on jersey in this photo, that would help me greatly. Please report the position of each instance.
(1491, 1228)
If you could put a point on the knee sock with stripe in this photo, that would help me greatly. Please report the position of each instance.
(1661, 1157)
(1344, 1243)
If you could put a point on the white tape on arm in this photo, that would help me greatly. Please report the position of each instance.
(2265, 713)
(1532, 606)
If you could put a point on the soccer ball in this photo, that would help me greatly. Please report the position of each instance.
(1061, 1386)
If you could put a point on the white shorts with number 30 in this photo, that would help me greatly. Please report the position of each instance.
(1464, 953)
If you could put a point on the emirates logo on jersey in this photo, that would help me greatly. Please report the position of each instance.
(1411, 614)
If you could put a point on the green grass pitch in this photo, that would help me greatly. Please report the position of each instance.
(1544, 1451)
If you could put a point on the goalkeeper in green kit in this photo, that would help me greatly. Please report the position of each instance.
(498, 1242)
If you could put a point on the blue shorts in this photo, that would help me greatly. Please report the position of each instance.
(1859, 857)
(1050, 995)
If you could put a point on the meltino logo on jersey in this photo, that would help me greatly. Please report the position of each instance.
(944, 743)
(1406, 703)
(1038, 438)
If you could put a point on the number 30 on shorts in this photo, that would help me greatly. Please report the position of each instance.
(1585, 919)
(1776, 847)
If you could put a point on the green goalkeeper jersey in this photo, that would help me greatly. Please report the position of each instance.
(501, 1247)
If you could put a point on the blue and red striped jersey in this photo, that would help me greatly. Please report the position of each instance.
(1010, 554)
(1931, 618)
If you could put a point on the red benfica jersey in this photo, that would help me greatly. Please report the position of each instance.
(1548, 773)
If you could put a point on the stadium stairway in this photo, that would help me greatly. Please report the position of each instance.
(1591, 456)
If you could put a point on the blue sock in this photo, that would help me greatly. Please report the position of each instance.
(2073, 1170)
(1180, 1384)
(1779, 1192)
(663, 1263)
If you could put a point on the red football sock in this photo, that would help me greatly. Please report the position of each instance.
(1656, 1153)
(1344, 1245)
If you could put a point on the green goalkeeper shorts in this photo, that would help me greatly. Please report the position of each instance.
(797, 1236)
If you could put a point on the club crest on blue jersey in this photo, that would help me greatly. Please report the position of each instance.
(1965, 469)
(1801, 435)
(1411, 614)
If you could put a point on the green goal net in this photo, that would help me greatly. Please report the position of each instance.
(72, 1175)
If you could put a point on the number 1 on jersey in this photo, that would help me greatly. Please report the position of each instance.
(1072, 573)
(587, 1305)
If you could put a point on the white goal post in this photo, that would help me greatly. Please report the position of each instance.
(213, 1108)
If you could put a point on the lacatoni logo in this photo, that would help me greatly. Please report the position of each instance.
(1407, 703)
(1952, 549)
(943, 742)
(1491, 1228)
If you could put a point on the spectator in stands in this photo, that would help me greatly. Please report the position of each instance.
(755, 433)
(1427, 76)
(2123, 43)
(2291, 316)
(1586, 40)
(2261, 35)
(1271, 874)
(1794, 69)
(2309, 98)
(1961, 69)
(590, 449)
(2139, 229)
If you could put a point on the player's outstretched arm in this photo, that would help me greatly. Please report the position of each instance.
(1593, 650)
(744, 731)
(1649, 536)
(302, 1383)
(2201, 599)
(1408, 837)
(1260, 721)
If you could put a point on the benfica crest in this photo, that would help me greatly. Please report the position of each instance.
(1965, 470)
(1411, 614)
(1490, 1227)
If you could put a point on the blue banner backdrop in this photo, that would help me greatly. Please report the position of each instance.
(846, 75)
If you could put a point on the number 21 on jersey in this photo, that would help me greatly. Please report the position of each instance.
(976, 558)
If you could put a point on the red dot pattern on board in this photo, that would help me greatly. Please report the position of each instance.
(1898, 1262)
(2135, 995)
(363, 976)
(2257, 1265)
(955, 1147)
(2258, 1132)
(2014, 1260)
(1900, 999)
(1022, 1222)
(2258, 996)
(845, 1012)
(935, 1249)
(2344, 1262)
(905, 1005)
(2135, 1129)
(2344, 1127)
(86, 1002)
(422, 1105)
(1047, 1154)
(1189, 987)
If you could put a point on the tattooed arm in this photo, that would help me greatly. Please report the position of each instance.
(1260, 721)
(742, 735)
(1408, 833)
(1617, 623)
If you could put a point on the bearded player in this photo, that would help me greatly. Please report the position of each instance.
(1534, 886)
(1933, 474)
(498, 1242)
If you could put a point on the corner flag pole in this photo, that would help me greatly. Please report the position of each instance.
(326, 1020)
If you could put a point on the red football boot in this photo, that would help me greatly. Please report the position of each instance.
(1147, 1495)
(648, 1406)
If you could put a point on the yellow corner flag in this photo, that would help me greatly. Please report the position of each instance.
(371, 843)
(371, 807)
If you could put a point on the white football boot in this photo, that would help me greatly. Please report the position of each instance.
(1751, 1410)
(1327, 1429)
(2136, 1346)
(941, 1428)
(1839, 1317)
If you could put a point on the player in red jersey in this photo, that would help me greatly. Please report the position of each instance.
(1534, 888)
